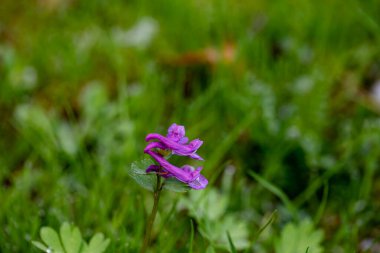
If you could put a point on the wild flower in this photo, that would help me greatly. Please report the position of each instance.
(177, 143)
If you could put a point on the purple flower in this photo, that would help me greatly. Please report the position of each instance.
(177, 133)
(186, 174)
(200, 182)
(177, 143)
(176, 147)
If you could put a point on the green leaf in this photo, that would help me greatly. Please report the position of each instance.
(174, 185)
(210, 249)
(97, 244)
(137, 172)
(209, 210)
(40, 245)
(296, 238)
(71, 238)
(93, 99)
(50, 237)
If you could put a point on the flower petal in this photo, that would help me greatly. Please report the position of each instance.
(196, 157)
(180, 174)
(152, 168)
(180, 149)
(199, 183)
(183, 140)
(197, 143)
(155, 145)
(176, 132)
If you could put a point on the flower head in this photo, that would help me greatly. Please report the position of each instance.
(199, 182)
(177, 133)
(176, 142)
(177, 148)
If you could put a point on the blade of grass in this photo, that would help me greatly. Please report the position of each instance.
(191, 236)
(369, 21)
(169, 215)
(323, 204)
(221, 149)
(226, 144)
(276, 191)
(316, 184)
(270, 221)
(232, 246)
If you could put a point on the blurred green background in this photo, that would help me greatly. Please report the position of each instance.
(285, 95)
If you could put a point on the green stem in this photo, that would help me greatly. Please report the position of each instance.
(152, 216)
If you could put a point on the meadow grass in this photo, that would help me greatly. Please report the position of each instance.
(286, 110)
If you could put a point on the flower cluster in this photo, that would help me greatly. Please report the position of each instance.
(178, 144)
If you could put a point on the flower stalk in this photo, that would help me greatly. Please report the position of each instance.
(159, 148)
(152, 216)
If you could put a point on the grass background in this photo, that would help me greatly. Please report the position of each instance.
(283, 93)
